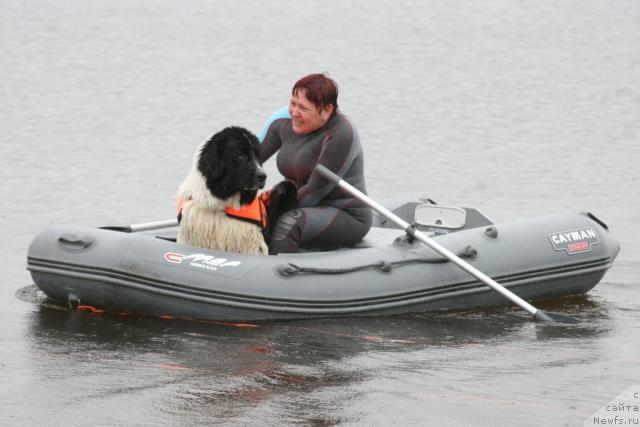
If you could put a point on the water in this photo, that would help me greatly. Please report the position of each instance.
(515, 108)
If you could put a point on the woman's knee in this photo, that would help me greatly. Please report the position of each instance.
(285, 236)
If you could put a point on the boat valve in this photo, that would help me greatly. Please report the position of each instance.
(491, 232)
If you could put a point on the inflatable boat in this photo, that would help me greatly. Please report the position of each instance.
(388, 273)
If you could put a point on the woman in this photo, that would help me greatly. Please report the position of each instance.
(317, 133)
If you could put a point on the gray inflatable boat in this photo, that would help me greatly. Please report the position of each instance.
(387, 273)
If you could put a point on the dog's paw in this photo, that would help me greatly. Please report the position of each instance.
(283, 196)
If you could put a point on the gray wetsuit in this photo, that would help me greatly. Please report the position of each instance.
(327, 217)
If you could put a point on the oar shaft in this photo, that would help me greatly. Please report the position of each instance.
(475, 272)
(426, 240)
(133, 228)
(156, 225)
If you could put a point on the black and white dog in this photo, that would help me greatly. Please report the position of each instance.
(227, 173)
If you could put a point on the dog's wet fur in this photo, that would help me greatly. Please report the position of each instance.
(227, 172)
(230, 164)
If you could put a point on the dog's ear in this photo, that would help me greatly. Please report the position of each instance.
(212, 163)
(209, 158)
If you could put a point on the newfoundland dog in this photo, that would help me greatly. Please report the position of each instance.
(226, 176)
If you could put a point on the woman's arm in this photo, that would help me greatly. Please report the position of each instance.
(281, 113)
(269, 137)
(339, 150)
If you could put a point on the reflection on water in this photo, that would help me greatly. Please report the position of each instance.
(207, 369)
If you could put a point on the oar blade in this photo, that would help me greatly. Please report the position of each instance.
(548, 316)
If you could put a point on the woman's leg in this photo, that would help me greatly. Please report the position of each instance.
(319, 228)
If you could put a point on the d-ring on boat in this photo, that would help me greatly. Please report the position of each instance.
(389, 272)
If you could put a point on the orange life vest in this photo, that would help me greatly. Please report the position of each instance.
(254, 212)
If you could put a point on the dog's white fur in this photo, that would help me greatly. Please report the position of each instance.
(204, 223)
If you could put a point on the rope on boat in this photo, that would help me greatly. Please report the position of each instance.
(290, 269)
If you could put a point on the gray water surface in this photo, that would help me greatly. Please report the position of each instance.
(515, 108)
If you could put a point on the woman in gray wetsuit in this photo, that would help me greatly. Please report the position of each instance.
(317, 133)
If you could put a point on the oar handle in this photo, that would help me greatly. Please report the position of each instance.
(327, 174)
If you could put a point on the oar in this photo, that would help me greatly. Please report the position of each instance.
(133, 228)
(410, 229)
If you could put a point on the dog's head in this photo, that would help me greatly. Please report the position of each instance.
(230, 163)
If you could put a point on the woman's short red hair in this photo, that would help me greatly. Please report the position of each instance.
(320, 89)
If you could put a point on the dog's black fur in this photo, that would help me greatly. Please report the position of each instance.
(230, 163)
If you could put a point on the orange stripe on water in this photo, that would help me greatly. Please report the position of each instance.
(175, 367)
(89, 308)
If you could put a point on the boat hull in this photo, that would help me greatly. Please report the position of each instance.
(137, 273)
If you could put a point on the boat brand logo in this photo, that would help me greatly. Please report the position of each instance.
(202, 261)
(173, 257)
(574, 241)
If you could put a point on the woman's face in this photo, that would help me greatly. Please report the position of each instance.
(305, 116)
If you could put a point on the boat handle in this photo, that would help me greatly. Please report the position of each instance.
(74, 242)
